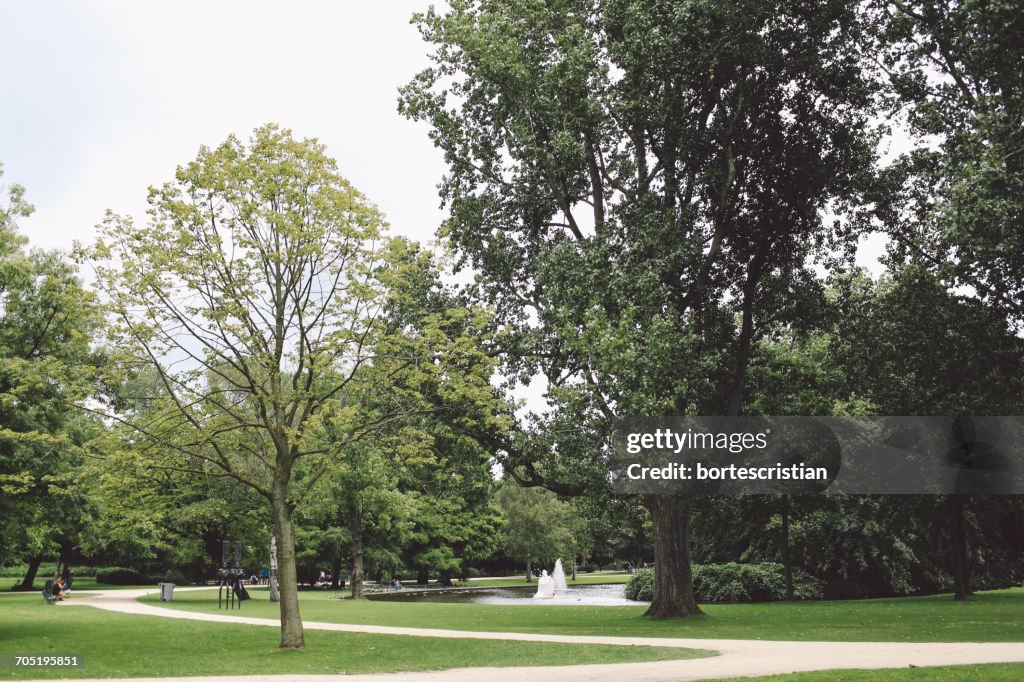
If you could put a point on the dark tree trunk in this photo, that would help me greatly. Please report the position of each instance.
(528, 574)
(673, 580)
(787, 560)
(292, 636)
(355, 527)
(958, 548)
(336, 573)
(422, 576)
(30, 575)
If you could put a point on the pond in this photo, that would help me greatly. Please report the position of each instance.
(576, 595)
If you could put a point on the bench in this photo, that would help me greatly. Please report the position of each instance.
(48, 596)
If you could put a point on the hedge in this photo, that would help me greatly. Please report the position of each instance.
(733, 583)
(116, 575)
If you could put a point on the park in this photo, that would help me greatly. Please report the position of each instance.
(583, 340)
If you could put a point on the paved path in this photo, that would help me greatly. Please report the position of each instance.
(737, 658)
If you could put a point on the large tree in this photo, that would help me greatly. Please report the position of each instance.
(957, 69)
(47, 365)
(255, 294)
(640, 186)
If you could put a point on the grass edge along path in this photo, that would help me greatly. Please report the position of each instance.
(988, 617)
(127, 645)
(985, 672)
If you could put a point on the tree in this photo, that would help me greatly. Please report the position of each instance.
(956, 71)
(47, 365)
(640, 186)
(956, 355)
(901, 345)
(537, 524)
(434, 457)
(254, 294)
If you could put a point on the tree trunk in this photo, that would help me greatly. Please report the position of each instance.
(673, 580)
(527, 569)
(272, 581)
(422, 576)
(30, 575)
(355, 527)
(336, 573)
(958, 549)
(787, 560)
(292, 636)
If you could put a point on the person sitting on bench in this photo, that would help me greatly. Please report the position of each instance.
(58, 589)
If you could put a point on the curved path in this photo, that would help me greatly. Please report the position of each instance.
(737, 657)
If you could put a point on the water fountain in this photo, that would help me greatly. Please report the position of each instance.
(545, 587)
(551, 590)
(559, 577)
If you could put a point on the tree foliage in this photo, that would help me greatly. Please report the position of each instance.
(255, 295)
(641, 186)
(47, 366)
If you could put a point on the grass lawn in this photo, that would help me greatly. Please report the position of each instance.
(992, 672)
(80, 584)
(994, 616)
(123, 645)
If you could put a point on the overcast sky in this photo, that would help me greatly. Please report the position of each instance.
(101, 99)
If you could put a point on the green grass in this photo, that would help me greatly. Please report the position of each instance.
(122, 645)
(988, 617)
(991, 672)
(80, 583)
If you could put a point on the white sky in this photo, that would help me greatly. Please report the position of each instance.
(102, 99)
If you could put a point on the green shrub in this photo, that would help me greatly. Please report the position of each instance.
(641, 585)
(733, 583)
(171, 575)
(116, 575)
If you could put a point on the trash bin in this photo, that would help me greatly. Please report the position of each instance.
(166, 591)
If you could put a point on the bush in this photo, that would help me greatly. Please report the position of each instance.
(171, 575)
(733, 583)
(116, 575)
(641, 585)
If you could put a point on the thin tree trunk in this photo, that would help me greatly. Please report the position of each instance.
(272, 576)
(787, 560)
(527, 569)
(292, 636)
(355, 527)
(673, 580)
(30, 575)
(958, 549)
